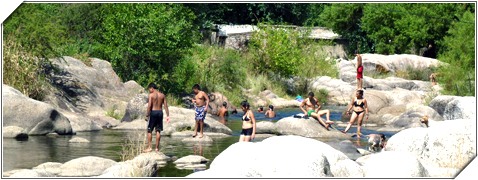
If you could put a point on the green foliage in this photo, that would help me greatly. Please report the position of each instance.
(22, 70)
(459, 52)
(276, 50)
(146, 41)
(322, 96)
(422, 74)
(36, 28)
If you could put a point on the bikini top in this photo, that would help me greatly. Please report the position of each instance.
(246, 117)
(361, 103)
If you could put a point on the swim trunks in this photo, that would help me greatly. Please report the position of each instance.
(309, 112)
(360, 72)
(155, 121)
(200, 113)
(246, 132)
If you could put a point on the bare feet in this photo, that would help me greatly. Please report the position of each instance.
(147, 150)
(157, 150)
(343, 132)
(327, 126)
(195, 135)
(329, 122)
(200, 136)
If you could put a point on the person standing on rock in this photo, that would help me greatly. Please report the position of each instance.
(248, 123)
(222, 113)
(360, 109)
(154, 112)
(310, 110)
(270, 113)
(359, 71)
(201, 101)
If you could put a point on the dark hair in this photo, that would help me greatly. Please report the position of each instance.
(356, 51)
(152, 85)
(271, 107)
(224, 104)
(245, 104)
(196, 86)
(360, 92)
(311, 94)
(382, 136)
(261, 108)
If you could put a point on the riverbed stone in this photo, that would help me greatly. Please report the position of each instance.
(85, 166)
(306, 128)
(314, 160)
(25, 173)
(265, 127)
(445, 144)
(14, 132)
(49, 168)
(143, 165)
(191, 159)
(347, 168)
(346, 147)
(393, 165)
(183, 134)
(78, 140)
(17, 111)
(461, 108)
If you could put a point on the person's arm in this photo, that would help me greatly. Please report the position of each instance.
(267, 112)
(207, 101)
(350, 106)
(253, 120)
(302, 107)
(150, 106)
(318, 105)
(366, 107)
(167, 109)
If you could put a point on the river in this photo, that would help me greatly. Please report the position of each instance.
(108, 143)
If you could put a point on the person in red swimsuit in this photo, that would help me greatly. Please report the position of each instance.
(359, 72)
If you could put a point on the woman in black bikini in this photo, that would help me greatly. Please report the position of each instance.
(359, 105)
(248, 123)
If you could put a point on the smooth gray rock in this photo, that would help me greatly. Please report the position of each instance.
(85, 167)
(306, 128)
(35, 117)
(393, 165)
(14, 132)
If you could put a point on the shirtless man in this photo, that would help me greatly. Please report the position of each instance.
(376, 142)
(154, 112)
(310, 110)
(222, 113)
(270, 113)
(201, 101)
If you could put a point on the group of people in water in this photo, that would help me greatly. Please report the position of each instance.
(310, 106)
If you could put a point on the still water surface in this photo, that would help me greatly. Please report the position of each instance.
(108, 144)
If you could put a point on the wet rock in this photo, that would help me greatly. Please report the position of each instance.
(85, 166)
(78, 140)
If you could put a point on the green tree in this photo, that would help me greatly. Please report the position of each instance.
(277, 50)
(459, 51)
(145, 42)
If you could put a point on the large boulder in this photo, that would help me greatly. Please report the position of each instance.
(393, 165)
(85, 167)
(306, 128)
(461, 108)
(136, 108)
(346, 147)
(271, 159)
(445, 144)
(339, 92)
(268, 97)
(412, 116)
(35, 117)
(143, 165)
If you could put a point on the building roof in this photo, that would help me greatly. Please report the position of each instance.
(316, 32)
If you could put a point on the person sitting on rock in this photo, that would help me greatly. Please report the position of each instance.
(433, 79)
(270, 113)
(310, 104)
(359, 106)
(222, 113)
(248, 123)
(376, 142)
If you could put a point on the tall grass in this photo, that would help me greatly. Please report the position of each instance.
(22, 70)
(133, 146)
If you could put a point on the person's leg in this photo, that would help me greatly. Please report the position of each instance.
(196, 126)
(241, 138)
(316, 116)
(327, 115)
(359, 83)
(150, 138)
(352, 120)
(201, 125)
(158, 138)
(247, 138)
(359, 124)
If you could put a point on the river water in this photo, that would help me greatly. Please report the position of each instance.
(108, 143)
